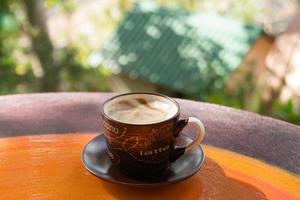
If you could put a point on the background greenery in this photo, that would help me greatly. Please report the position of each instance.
(31, 62)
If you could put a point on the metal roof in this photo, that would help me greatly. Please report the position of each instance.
(179, 50)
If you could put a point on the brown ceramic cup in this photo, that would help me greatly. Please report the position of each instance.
(146, 148)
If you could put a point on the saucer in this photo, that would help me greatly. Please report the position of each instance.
(95, 159)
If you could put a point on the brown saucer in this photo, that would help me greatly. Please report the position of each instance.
(97, 162)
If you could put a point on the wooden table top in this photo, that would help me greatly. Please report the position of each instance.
(49, 167)
(42, 136)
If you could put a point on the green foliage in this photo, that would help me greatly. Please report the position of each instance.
(286, 111)
(76, 77)
(225, 99)
(65, 6)
(28, 60)
(13, 73)
(245, 10)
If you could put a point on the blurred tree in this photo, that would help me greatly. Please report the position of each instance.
(41, 44)
(14, 74)
(29, 61)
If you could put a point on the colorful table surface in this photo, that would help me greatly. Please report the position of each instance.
(42, 137)
(49, 167)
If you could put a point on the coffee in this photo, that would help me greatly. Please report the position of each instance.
(140, 109)
(136, 143)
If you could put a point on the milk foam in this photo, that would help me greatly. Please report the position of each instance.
(140, 109)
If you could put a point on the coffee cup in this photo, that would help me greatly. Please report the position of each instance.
(141, 130)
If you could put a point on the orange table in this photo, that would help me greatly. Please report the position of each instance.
(49, 167)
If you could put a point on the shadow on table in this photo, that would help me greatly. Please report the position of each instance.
(210, 183)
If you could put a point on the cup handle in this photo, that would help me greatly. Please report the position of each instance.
(179, 151)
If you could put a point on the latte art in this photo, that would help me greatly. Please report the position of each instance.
(141, 109)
